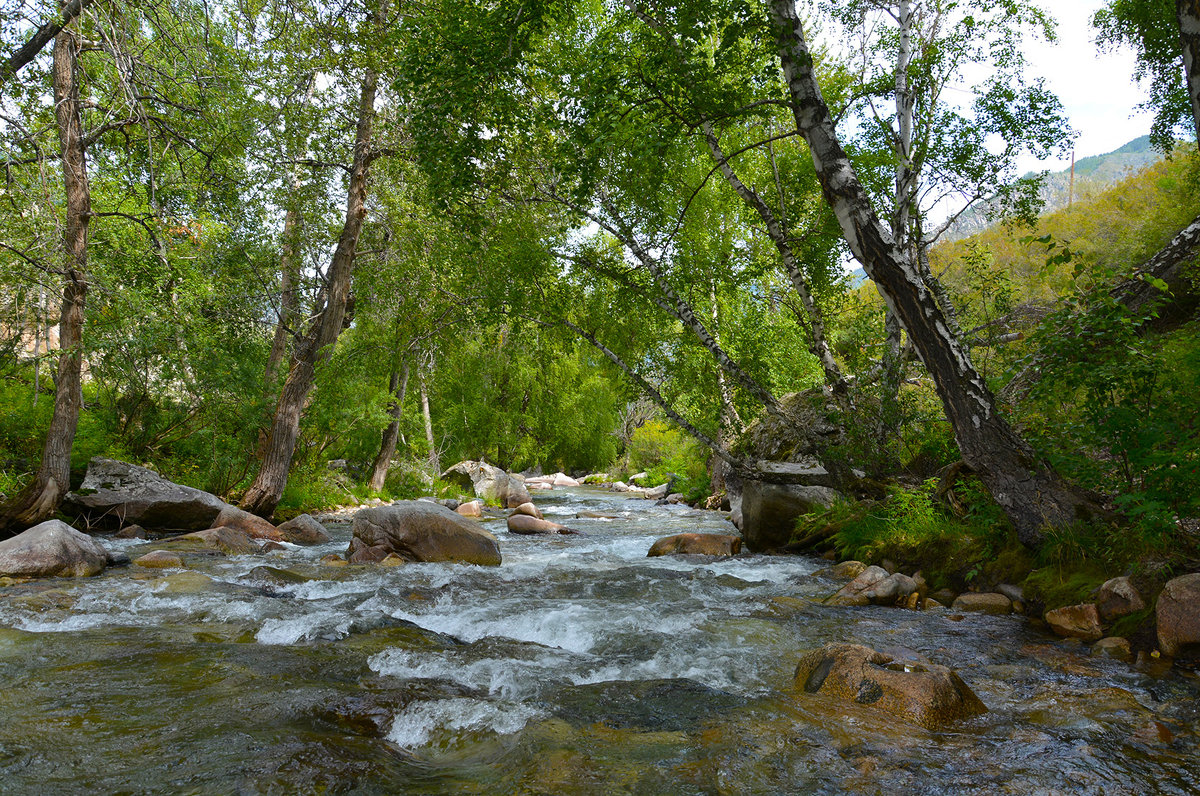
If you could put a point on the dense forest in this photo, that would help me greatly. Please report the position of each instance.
(241, 242)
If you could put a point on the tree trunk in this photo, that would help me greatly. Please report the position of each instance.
(1188, 14)
(41, 499)
(397, 386)
(1031, 493)
(263, 495)
(434, 462)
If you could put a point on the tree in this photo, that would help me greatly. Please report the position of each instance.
(1030, 492)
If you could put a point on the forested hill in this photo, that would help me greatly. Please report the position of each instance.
(1092, 174)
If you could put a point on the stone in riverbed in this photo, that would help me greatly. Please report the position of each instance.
(854, 592)
(769, 511)
(250, 524)
(131, 532)
(1118, 598)
(226, 540)
(159, 559)
(1113, 647)
(1178, 614)
(530, 510)
(929, 695)
(51, 549)
(419, 531)
(1076, 621)
(304, 530)
(531, 526)
(847, 570)
(472, 508)
(703, 544)
(992, 603)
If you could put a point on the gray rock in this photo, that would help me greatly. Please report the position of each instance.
(769, 511)
(418, 531)
(51, 549)
(1118, 598)
(118, 493)
(304, 530)
(1178, 614)
(489, 482)
(982, 603)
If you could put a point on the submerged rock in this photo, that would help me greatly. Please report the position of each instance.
(677, 705)
(304, 530)
(1076, 621)
(115, 492)
(419, 531)
(52, 549)
(1178, 614)
(159, 559)
(1113, 647)
(702, 544)
(929, 695)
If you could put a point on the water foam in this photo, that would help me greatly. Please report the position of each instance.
(447, 720)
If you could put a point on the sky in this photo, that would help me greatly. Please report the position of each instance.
(1096, 89)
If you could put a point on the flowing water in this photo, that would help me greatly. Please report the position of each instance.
(579, 666)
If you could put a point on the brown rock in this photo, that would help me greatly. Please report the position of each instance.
(1117, 598)
(131, 532)
(982, 603)
(333, 560)
(928, 695)
(1178, 614)
(472, 508)
(847, 570)
(701, 544)
(392, 560)
(51, 549)
(531, 526)
(1113, 647)
(1076, 621)
(250, 524)
(304, 530)
(115, 491)
(159, 559)
(529, 510)
(272, 547)
(420, 531)
(227, 540)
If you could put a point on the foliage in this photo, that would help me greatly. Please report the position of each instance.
(667, 455)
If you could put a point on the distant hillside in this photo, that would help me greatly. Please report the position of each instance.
(1092, 174)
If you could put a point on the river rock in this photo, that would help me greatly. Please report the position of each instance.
(226, 540)
(658, 492)
(51, 549)
(895, 589)
(159, 559)
(131, 532)
(527, 525)
(417, 531)
(250, 524)
(1118, 598)
(115, 492)
(530, 510)
(1113, 647)
(847, 570)
(854, 592)
(992, 603)
(1178, 614)
(1076, 621)
(703, 544)
(472, 508)
(926, 694)
(517, 495)
(619, 486)
(769, 511)
(304, 530)
(486, 481)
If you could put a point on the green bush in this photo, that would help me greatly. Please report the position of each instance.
(664, 452)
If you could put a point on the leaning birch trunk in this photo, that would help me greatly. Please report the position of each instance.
(1031, 493)
(397, 387)
(41, 499)
(263, 495)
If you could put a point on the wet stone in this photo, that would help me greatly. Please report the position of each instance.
(660, 705)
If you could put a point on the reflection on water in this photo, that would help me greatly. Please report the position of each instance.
(579, 666)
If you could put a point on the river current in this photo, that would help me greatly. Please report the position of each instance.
(579, 666)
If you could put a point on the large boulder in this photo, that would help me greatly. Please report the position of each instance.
(703, 544)
(488, 482)
(527, 525)
(1178, 615)
(117, 493)
(418, 531)
(768, 511)
(250, 524)
(929, 695)
(1117, 598)
(304, 530)
(51, 549)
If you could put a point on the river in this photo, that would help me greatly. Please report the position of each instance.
(579, 666)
